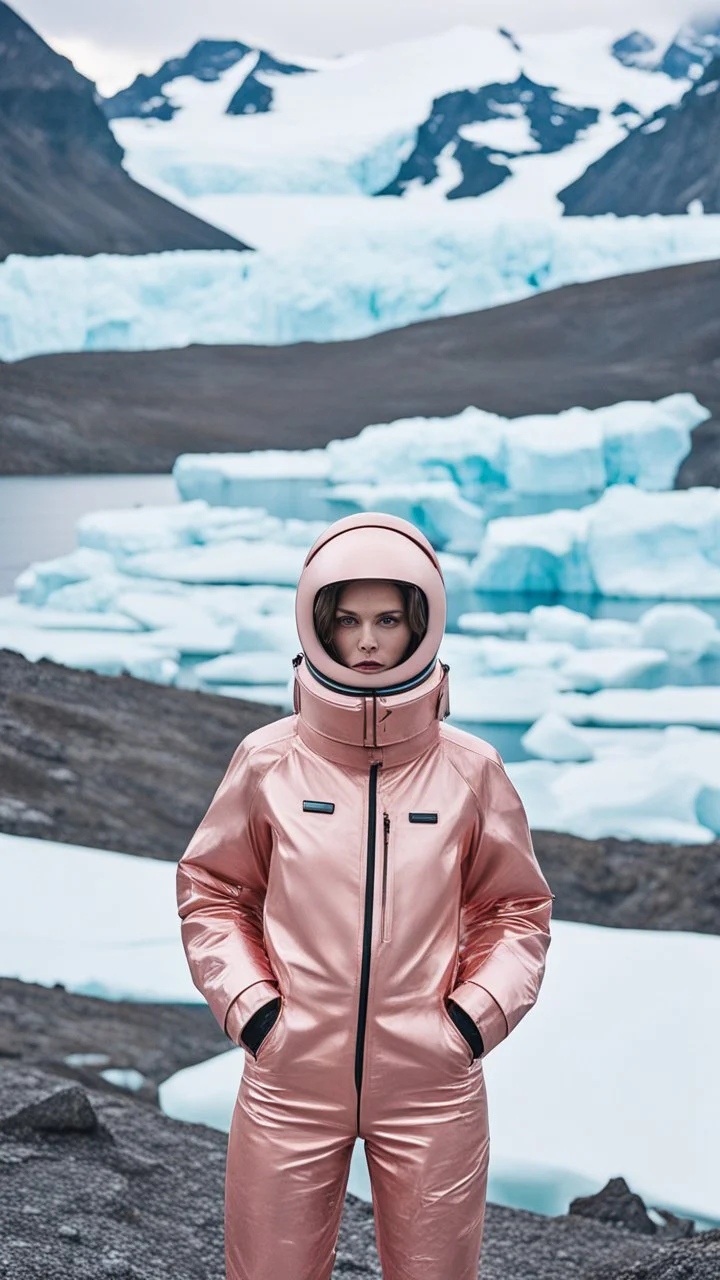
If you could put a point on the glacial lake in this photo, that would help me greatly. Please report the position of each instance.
(37, 522)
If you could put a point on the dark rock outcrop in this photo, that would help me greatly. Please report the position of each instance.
(62, 185)
(696, 43)
(552, 125)
(150, 97)
(635, 49)
(668, 164)
(685, 58)
(618, 1205)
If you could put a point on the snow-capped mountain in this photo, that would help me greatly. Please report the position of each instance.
(62, 185)
(466, 112)
(150, 97)
(670, 164)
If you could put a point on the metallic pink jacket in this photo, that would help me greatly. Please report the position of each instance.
(363, 859)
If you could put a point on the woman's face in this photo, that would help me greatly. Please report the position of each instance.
(371, 630)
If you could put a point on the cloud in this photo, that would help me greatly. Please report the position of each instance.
(117, 38)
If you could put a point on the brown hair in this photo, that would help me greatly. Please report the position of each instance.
(325, 608)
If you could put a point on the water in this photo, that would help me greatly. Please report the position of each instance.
(38, 513)
(37, 522)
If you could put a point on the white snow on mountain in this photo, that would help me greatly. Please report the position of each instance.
(341, 284)
(105, 924)
(349, 126)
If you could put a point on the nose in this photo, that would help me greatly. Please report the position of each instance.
(367, 641)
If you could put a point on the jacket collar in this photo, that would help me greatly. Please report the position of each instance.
(366, 728)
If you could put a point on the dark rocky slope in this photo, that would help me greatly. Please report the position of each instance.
(638, 336)
(551, 125)
(99, 1184)
(118, 763)
(150, 97)
(669, 164)
(62, 185)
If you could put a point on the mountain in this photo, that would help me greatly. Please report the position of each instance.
(150, 97)
(669, 164)
(467, 112)
(62, 185)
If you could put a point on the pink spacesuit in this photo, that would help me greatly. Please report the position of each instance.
(363, 861)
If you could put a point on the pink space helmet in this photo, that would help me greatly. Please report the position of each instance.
(371, 545)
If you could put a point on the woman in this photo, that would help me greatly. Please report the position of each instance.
(363, 911)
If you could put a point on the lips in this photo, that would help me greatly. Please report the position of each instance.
(368, 666)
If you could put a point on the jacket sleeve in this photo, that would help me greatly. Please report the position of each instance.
(505, 914)
(221, 886)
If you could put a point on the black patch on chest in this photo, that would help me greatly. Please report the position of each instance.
(423, 817)
(318, 806)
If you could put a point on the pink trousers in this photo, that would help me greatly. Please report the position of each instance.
(423, 1117)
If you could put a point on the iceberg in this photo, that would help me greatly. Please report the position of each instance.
(457, 472)
(110, 653)
(670, 705)
(236, 561)
(436, 507)
(627, 544)
(686, 632)
(578, 451)
(325, 287)
(546, 554)
(656, 544)
(593, 669)
(286, 481)
(663, 792)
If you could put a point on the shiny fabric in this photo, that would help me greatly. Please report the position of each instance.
(421, 884)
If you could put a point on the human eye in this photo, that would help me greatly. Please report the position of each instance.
(344, 619)
(390, 618)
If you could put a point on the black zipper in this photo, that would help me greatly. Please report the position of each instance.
(386, 842)
(367, 934)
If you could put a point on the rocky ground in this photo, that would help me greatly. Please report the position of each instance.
(587, 344)
(119, 763)
(97, 1184)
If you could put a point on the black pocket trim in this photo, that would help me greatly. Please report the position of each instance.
(423, 817)
(318, 806)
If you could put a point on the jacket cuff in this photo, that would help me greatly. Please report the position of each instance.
(245, 1005)
(485, 1012)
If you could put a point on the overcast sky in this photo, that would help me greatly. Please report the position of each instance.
(111, 40)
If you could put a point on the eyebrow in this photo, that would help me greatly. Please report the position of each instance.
(382, 613)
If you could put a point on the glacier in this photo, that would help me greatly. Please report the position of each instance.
(324, 287)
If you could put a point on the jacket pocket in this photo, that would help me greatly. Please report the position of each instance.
(457, 1035)
(271, 1035)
